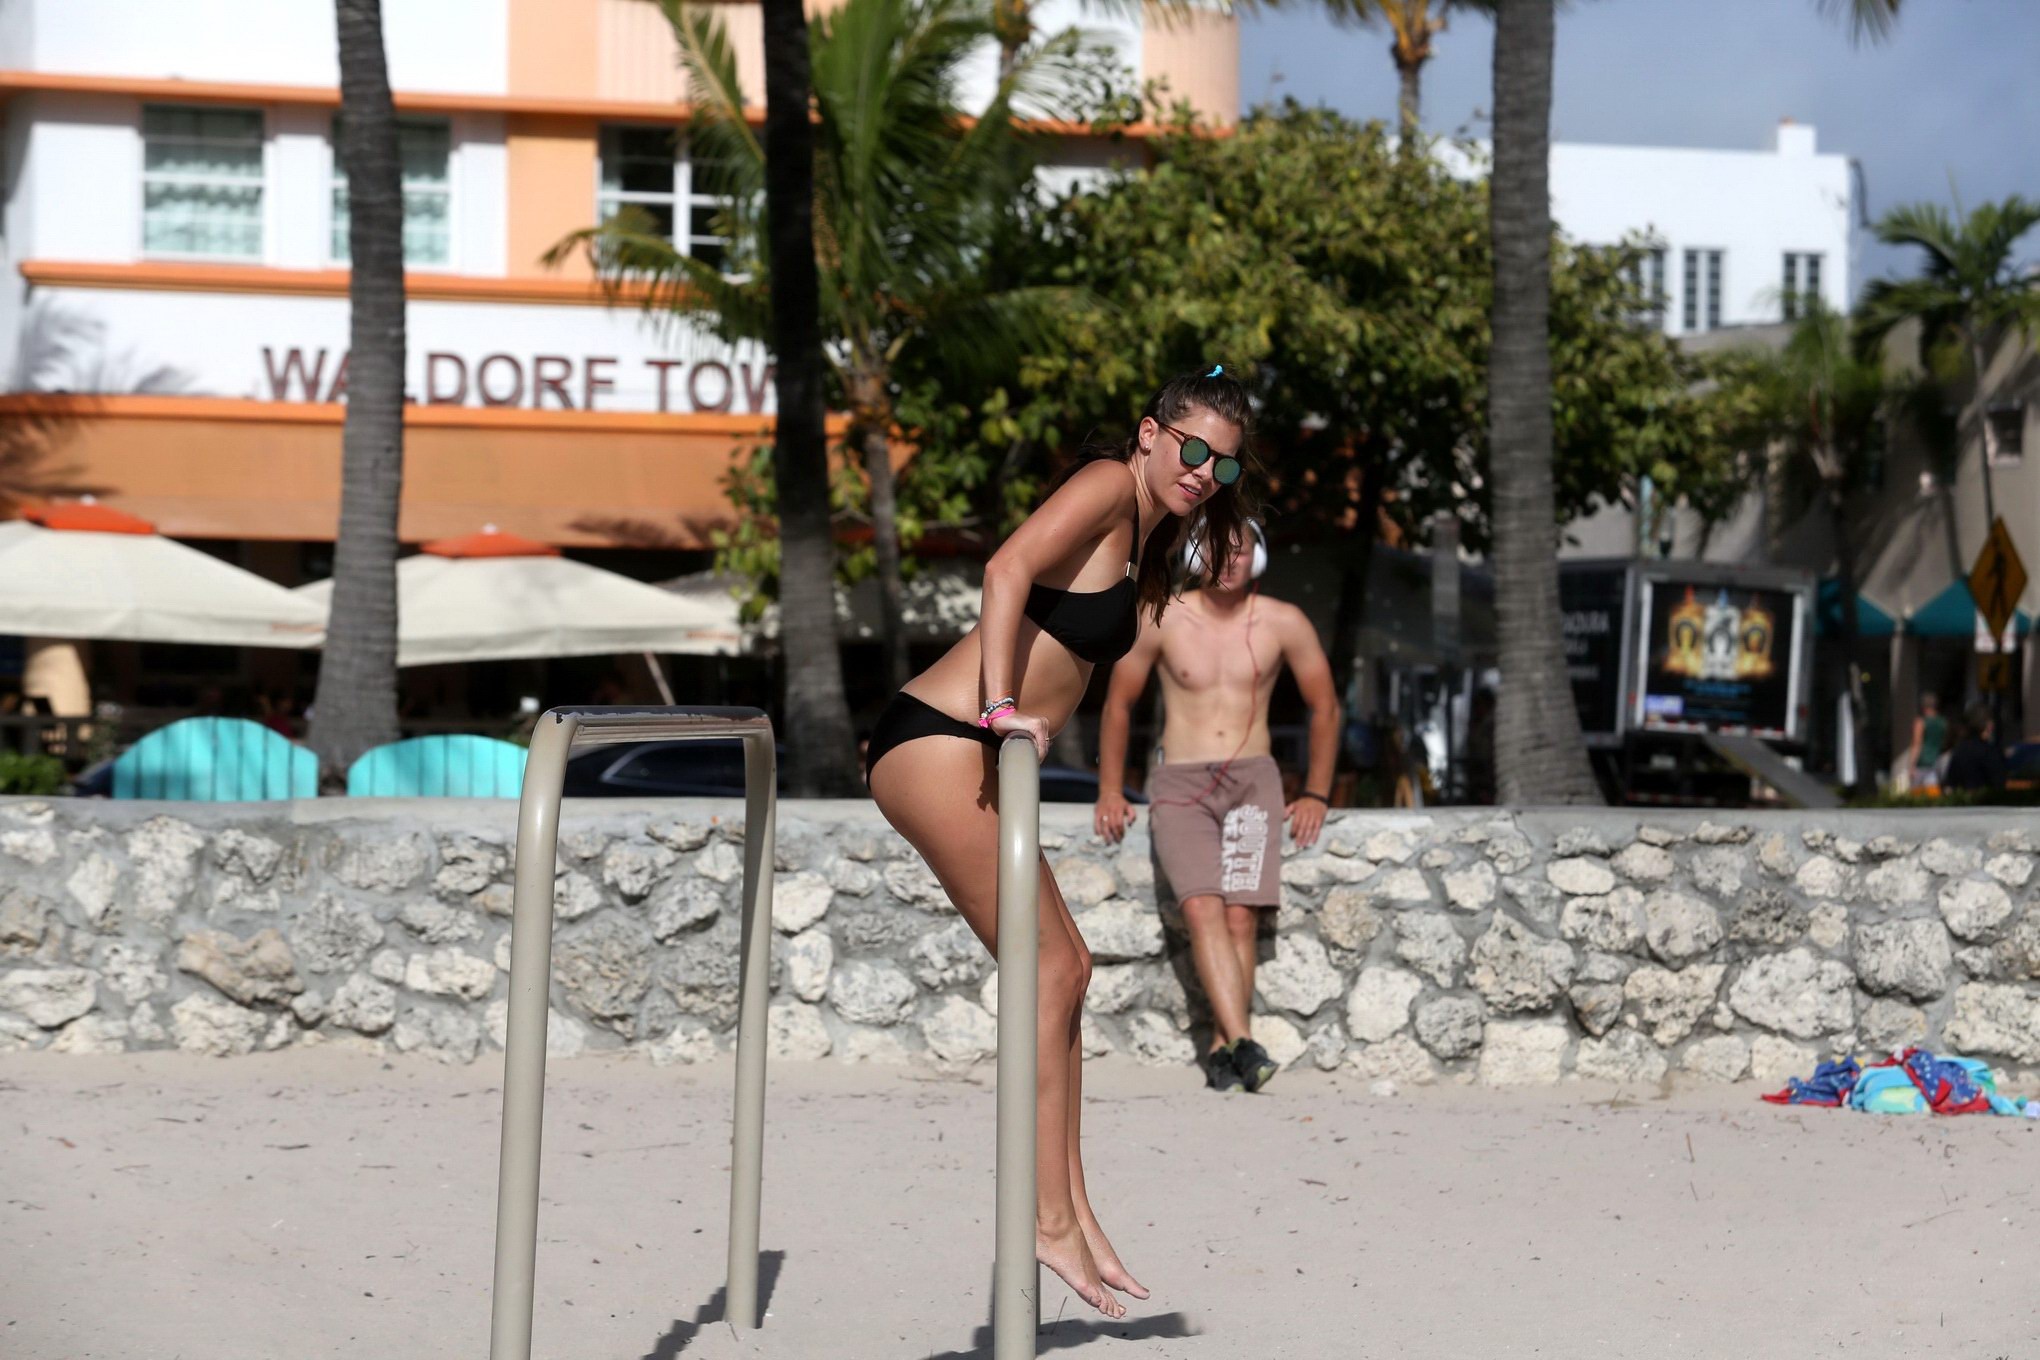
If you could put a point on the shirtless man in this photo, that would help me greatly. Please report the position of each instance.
(1216, 793)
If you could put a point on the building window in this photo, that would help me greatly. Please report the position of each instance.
(1802, 281)
(202, 182)
(424, 152)
(1703, 290)
(2008, 423)
(645, 168)
(1647, 273)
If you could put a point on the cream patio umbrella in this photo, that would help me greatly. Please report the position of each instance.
(938, 604)
(494, 596)
(87, 571)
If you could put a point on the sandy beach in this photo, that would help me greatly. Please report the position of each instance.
(326, 1203)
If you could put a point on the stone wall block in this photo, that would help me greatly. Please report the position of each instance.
(1904, 958)
(255, 971)
(1515, 970)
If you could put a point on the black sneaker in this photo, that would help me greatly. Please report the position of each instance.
(1253, 1064)
(1219, 1072)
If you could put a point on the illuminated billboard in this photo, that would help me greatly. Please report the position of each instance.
(1719, 658)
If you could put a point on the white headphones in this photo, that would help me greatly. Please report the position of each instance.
(1194, 565)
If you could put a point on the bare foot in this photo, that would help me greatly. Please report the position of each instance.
(1066, 1254)
(1111, 1269)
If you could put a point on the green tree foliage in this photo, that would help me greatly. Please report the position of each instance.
(1348, 284)
(1972, 291)
(1351, 286)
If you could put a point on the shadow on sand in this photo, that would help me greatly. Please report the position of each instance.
(1059, 1335)
(1067, 1334)
(682, 1332)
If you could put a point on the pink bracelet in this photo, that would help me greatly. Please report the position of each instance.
(994, 709)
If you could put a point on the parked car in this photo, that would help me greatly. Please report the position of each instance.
(662, 769)
(1063, 784)
(2022, 766)
(715, 769)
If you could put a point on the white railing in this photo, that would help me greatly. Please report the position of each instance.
(1016, 1278)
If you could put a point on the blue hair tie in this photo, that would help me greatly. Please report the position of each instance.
(1216, 370)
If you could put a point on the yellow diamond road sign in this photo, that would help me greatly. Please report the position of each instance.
(1997, 580)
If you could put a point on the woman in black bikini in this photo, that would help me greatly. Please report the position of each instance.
(1062, 595)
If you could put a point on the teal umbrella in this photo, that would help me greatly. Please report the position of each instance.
(1873, 620)
(1952, 614)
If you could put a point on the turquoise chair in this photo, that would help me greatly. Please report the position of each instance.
(216, 760)
(453, 766)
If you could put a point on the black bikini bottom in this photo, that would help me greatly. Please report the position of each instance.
(907, 718)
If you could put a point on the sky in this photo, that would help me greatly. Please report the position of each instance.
(1954, 91)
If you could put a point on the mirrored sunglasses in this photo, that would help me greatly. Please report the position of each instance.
(1195, 453)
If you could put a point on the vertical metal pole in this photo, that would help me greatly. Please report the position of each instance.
(538, 835)
(1016, 1278)
(747, 1125)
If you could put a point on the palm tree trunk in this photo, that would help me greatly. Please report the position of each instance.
(1351, 615)
(1539, 755)
(1845, 572)
(876, 447)
(1980, 413)
(355, 704)
(1408, 106)
(1013, 26)
(1980, 405)
(821, 757)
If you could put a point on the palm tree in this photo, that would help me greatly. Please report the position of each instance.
(355, 705)
(1822, 406)
(906, 196)
(1412, 25)
(1972, 293)
(1538, 754)
(823, 762)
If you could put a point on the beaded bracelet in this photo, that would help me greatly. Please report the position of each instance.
(994, 708)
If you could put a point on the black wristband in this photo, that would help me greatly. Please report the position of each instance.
(1319, 796)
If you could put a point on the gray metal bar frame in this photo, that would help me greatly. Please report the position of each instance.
(559, 731)
(1016, 1277)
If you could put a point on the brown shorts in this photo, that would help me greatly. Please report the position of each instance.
(1217, 829)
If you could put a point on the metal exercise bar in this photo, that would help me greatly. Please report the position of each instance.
(559, 731)
(1016, 1278)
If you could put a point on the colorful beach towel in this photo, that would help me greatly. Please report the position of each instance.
(1913, 1082)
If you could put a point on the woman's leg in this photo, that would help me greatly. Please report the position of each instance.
(925, 789)
(1218, 966)
(1110, 1268)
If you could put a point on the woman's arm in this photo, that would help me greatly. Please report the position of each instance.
(1081, 511)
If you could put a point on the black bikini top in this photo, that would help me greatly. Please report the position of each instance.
(1098, 626)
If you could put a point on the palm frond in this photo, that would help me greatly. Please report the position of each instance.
(1868, 20)
(709, 58)
(1928, 226)
(1887, 303)
(630, 255)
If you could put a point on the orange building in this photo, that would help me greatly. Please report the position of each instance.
(174, 243)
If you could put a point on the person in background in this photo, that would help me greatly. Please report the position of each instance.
(1480, 748)
(1975, 761)
(272, 710)
(1929, 739)
(1216, 794)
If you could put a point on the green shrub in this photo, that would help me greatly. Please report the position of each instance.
(30, 774)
